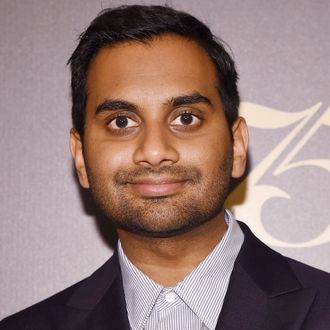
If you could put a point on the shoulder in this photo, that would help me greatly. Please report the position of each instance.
(257, 254)
(319, 281)
(311, 277)
(67, 308)
(37, 315)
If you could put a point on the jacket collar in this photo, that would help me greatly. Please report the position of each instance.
(100, 301)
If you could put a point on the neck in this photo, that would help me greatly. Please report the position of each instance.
(168, 260)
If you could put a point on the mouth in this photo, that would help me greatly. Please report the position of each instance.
(157, 187)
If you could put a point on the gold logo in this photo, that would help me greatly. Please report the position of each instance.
(255, 193)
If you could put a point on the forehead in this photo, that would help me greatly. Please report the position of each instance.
(168, 64)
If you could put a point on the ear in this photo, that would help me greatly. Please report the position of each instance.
(240, 146)
(77, 153)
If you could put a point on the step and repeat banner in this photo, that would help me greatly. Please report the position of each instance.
(51, 235)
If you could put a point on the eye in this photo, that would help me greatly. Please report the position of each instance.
(122, 122)
(186, 119)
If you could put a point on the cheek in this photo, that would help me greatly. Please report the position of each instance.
(206, 152)
(106, 158)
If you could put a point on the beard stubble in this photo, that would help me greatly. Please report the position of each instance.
(201, 200)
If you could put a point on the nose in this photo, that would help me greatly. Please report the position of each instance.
(155, 148)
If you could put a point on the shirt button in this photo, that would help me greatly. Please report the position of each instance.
(170, 296)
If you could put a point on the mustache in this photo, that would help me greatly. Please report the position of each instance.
(191, 174)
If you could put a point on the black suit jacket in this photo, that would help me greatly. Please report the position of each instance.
(266, 292)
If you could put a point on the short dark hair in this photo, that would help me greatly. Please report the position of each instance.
(142, 23)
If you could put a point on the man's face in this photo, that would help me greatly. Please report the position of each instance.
(157, 151)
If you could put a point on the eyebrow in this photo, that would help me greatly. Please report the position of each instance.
(119, 104)
(188, 99)
(114, 104)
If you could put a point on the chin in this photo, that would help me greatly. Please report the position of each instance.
(168, 231)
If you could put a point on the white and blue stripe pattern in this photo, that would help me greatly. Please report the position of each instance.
(195, 302)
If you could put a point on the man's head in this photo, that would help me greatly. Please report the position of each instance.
(157, 150)
(143, 23)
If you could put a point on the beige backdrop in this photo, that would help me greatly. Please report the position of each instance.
(50, 237)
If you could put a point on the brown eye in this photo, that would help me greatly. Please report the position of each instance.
(186, 119)
(121, 122)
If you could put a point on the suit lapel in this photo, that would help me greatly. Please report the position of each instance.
(110, 313)
(100, 300)
(263, 292)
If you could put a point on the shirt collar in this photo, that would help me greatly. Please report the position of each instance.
(203, 290)
(140, 291)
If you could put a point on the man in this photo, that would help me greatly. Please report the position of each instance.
(156, 139)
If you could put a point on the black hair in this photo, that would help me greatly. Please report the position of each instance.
(142, 23)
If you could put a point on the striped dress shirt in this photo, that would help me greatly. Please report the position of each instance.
(194, 303)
